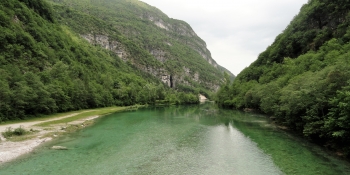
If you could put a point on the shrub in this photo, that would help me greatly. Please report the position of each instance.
(17, 132)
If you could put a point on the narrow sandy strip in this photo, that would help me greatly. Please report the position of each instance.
(12, 150)
(83, 120)
(27, 125)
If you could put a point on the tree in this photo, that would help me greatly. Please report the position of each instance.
(337, 123)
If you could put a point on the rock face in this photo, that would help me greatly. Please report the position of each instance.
(170, 80)
(175, 54)
(184, 29)
(202, 98)
(159, 54)
(59, 148)
(105, 42)
(167, 79)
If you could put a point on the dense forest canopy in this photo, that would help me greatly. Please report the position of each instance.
(46, 66)
(303, 78)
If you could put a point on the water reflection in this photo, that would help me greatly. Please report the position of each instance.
(198, 139)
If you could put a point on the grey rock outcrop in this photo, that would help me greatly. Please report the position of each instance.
(105, 42)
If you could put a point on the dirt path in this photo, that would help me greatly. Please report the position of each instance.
(28, 125)
(11, 150)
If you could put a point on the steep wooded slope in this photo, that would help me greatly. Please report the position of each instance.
(46, 67)
(145, 37)
(302, 79)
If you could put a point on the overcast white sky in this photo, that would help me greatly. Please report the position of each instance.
(235, 31)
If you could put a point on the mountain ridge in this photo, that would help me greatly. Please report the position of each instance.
(170, 41)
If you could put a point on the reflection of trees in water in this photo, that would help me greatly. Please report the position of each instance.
(208, 114)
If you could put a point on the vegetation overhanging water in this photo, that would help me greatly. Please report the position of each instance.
(198, 139)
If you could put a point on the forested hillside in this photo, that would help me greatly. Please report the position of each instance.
(303, 78)
(47, 66)
(145, 37)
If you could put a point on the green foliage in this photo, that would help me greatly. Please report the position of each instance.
(175, 97)
(337, 122)
(41, 8)
(88, 113)
(317, 23)
(46, 68)
(222, 96)
(301, 79)
(132, 24)
(16, 132)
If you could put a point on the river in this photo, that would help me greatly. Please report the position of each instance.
(198, 139)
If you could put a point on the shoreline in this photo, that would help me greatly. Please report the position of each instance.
(13, 150)
(10, 149)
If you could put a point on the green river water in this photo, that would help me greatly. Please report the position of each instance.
(193, 140)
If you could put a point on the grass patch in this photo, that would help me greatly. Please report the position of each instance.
(18, 134)
(53, 116)
(85, 114)
(22, 137)
(43, 118)
(14, 132)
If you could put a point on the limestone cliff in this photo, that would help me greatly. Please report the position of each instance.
(142, 35)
